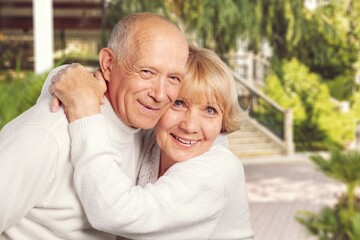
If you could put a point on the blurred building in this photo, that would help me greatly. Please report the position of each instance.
(77, 29)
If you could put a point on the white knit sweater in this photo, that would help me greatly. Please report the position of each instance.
(202, 198)
(37, 195)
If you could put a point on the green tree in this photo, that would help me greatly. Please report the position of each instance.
(281, 23)
(341, 87)
(296, 87)
(328, 47)
(314, 37)
(216, 24)
(355, 107)
(117, 9)
(326, 39)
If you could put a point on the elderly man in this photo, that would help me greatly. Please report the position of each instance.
(143, 67)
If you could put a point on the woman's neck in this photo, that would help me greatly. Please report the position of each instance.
(165, 163)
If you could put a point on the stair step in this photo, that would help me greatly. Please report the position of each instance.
(248, 139)
(246, 129)
(244, 134)
(257, 152)
(255, 146)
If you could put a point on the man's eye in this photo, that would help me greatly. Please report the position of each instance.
(145, 71)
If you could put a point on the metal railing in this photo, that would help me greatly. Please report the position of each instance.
(250, 71)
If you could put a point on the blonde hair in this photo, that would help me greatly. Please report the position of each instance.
(208, 76)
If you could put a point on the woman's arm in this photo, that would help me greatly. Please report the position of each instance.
(183, 204)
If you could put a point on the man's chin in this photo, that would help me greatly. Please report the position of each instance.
(145, 124)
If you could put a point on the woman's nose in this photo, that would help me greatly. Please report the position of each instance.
(191, 122)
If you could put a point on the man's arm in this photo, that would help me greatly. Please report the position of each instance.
(26, 171)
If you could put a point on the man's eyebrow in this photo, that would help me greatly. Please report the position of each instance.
(158, 69)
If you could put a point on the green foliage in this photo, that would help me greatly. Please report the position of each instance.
(341, 166)
(326, 39)
(118, 9)
(355, 105)
(280, 22)
(324, 46)
(13, 54)
(216, 23)
(317, 123)
(288, 101)
(19, 92)
(331, 223)
(341, 222)
(324, 224)
(342, 86)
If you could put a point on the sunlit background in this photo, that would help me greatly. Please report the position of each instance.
(297, 68)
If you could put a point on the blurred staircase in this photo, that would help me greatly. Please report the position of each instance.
(261, 136)
(254, 140)
(268, 128)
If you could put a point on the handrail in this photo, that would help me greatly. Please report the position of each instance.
(258, 93)
(280, 120)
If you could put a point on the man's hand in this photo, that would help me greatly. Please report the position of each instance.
(79, 91)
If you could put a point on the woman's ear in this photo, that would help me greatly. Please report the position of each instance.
(107, 60)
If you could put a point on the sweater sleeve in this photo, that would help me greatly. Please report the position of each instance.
(26, 171)
(183, 204)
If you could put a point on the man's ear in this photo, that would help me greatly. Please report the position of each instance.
(107, 60)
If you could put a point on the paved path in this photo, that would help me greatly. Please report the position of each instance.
(277, 190)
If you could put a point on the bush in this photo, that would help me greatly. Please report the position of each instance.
(317, 122)
(341, 222)
(19, 91)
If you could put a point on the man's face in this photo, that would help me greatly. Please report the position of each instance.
(145, 84)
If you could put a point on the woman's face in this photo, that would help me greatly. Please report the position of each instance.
(187, 129)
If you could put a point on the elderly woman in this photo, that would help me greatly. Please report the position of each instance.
(189, 187)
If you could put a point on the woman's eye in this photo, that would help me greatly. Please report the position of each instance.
(175, 79)
(211, 110)
(179, 105)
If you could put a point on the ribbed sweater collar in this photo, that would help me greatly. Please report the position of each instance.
(118, 128)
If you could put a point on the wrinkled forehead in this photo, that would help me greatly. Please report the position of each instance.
(168, 51)
(160, 31)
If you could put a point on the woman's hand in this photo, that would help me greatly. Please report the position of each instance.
(80, 91)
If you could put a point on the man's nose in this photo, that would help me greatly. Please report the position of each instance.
(158, 89)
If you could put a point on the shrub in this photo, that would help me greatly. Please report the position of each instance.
(317, 122)
(19, 91)
(342, 221)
